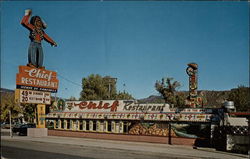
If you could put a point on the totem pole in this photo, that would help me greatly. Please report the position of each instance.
(193, 100)
(34, 84)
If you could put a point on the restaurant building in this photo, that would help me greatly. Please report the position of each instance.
(127, 117)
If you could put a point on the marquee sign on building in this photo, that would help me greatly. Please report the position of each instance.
(113, 106)
(128, 110)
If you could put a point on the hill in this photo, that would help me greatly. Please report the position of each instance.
(4, 90)
(213, 98)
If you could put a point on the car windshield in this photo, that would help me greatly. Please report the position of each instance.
(23, 126)
(31, 125)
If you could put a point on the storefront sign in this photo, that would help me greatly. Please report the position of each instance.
(113, 106)
(34, 97)
(36, 79)
(144, 107)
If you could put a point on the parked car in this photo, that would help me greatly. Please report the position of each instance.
(22, 129)
(5, 125)
(16, 127)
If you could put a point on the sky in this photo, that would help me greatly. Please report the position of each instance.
(135, 42)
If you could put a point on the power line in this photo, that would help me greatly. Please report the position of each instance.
(72, 82)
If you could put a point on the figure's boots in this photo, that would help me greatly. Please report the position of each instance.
(31, 65)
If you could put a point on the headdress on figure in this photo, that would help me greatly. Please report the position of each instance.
(33, 20)
(193, 65)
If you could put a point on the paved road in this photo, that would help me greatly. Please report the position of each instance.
(67, 147)
(17, 153)
(40, 150)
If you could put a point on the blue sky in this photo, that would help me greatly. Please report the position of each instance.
(136, 42)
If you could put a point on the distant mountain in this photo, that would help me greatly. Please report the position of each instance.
(213, 98)
(4, 90)
(152, 99)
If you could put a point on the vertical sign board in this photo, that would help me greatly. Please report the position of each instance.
(34, 86)
(41, 115)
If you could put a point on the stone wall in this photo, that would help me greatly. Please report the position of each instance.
(123, 137)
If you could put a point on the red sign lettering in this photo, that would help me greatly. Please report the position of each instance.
(100, 105)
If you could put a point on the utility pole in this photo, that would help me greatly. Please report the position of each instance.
(124, 86)
(110, 81)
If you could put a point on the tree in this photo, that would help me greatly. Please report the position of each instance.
(8, 104)
(29, 112)
(241, 98)
(72, 98)
(180, 100)
(124, 96)
(93, 88)
(96, 87)
(60, 104)
(167, 89)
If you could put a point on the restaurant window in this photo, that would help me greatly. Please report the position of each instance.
(77, 125)
(94, 125)
(62, 124)
(125, 127)
(109, 126)
(87, 125)
(57, 123)
(105, 124)
(68, 124)
(80, 125)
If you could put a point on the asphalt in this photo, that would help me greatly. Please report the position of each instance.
(174, 150)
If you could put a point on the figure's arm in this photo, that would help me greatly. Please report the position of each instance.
(25, 20)
(48, 39)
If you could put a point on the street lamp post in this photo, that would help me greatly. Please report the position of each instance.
(169, 134)
(10, 124)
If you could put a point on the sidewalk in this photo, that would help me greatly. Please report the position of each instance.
(173, 150)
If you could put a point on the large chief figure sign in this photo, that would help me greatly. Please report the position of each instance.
(33, 82)
(36, 27)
